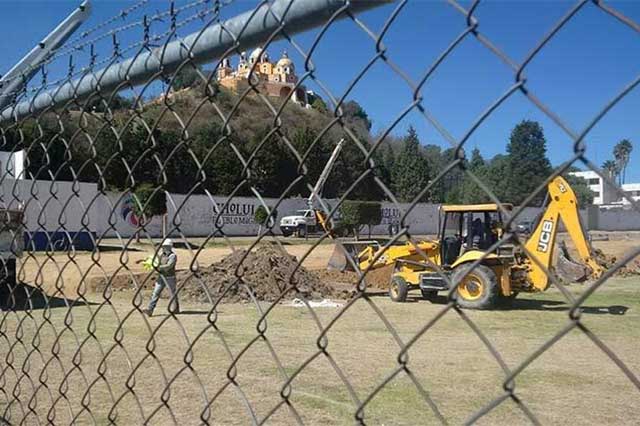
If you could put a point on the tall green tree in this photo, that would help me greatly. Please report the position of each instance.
(264, 217)
(353, 113)
(272, 167)
(126, 161)
(450, 187)
(622, 153)
(611, 168)
(220, 164)
(302, 140)
(496, 177)
(433, 156)
(356, 214)
(410, 172)
(471, 192)
(387, 158)
(528, 165)
(580, 187)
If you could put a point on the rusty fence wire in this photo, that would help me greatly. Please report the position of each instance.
(73, 351)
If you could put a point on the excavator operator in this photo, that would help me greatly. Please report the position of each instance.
(477, 233)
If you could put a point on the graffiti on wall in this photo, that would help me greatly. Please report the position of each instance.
(390, 215)
(241, 213)
(127, 211)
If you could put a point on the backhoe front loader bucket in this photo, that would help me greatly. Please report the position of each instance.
(568, 270)
(346, 254)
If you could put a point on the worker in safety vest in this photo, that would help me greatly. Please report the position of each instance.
(165, 265)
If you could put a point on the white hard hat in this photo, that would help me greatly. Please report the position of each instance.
(167, 243)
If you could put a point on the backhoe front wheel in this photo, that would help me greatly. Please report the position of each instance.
(398, 289)
(478, 288)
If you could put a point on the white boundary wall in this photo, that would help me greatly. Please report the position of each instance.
(618, 220)
(112, 214)
(49, 204)
(195, 218)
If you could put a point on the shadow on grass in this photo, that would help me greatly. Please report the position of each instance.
(193, 312)
(103, 248)
(164, 313)
(555, 305)
(521, 304)
(23, 297)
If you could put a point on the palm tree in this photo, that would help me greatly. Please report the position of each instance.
(622, 152)
(611, 168)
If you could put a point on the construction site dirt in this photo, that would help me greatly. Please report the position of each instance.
(117, 273)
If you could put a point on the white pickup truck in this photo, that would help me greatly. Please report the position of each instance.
(309, 221)
(300, 223)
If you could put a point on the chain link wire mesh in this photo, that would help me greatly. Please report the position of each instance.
(73, 353)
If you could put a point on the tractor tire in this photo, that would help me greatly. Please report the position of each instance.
(301, 231)
(398, 289)
(429, 295)
(478, 289)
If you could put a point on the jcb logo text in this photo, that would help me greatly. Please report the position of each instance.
(545, 236)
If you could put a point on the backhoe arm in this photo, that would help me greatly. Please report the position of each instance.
(563, 205)
(324, 223)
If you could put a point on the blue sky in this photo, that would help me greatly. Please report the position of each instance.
(585, 65)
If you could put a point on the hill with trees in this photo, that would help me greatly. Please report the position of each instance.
(183, 143)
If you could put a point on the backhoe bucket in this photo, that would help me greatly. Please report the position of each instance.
(568, 270)
(346, 254)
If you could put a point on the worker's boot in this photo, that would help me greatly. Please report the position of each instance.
(148, 312)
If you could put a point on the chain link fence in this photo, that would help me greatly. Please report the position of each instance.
(77, 346)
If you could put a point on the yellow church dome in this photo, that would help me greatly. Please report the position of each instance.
(285, 61)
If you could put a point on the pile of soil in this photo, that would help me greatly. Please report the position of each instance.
(266, 272)
(630, 269)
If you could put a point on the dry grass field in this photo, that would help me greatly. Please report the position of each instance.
(72, 364)
(192, 356)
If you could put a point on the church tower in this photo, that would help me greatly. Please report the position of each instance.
(224, 69)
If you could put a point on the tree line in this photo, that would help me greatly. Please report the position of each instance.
(511, 177)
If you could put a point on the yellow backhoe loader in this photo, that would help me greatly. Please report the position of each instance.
(466, 234)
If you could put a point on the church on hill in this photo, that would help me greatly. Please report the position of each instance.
(277, 79)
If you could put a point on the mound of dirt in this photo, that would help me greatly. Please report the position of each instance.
(265, 272)
(631, 268)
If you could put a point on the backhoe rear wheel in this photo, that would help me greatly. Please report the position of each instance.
(478, 289)
(398, 289)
